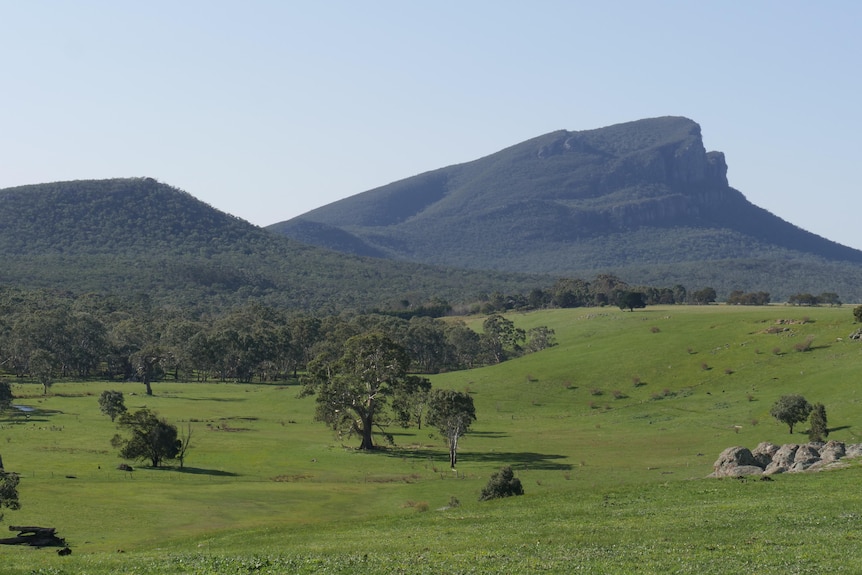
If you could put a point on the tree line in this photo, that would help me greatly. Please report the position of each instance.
(47, 339)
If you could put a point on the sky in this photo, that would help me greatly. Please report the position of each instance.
(267, 109)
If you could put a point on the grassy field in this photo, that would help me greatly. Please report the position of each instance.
(612, 433)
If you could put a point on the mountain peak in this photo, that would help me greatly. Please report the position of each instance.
(645, 192)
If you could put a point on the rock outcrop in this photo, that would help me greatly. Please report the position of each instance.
(768, 458)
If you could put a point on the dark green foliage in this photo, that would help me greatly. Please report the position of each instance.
(737, 297)
(5, 395)
(501, 338)
(539, 338)
(151, 438)
(352, 389)
(138, 236)
(791, 409)
(8, 490)
(452, 413)
(857, 313)
(704, 296)
(630, 300)
(818, 429)
(112, 403)
(502, 483)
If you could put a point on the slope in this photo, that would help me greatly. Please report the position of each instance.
(139, 236)
(643, 193)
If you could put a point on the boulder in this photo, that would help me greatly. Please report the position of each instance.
(767, 458)
(764, 452)
(805, 456)
(832, 451)
(783, 459)
(736, 462)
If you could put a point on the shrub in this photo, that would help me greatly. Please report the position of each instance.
(502, 483)
(804, 345)
(818, 429)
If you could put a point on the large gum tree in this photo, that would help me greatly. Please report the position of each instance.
(352, 390)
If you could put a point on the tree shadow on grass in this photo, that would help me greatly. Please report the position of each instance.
(196, 471)
(488, 434)
(524, 460)
(33, 415)
(217, 399)
(520, 460)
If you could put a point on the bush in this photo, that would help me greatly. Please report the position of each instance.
(502, 483)
(818, 427)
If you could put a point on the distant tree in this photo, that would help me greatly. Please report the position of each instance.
(185, 443)
(151, 438)
(539, 338)
(465, 345)
(806, 299)
(502, 337)
(410, 400)
(829, 298)
(5, 396)
(704, 296)
(452, 413)
(630, 300)
(147, 364)
(818, 429)
(112, 404)
(737, 297)
(857, 313)
(791, 409)
(502, 483)
(42, 368)
(352, 390)
(8, 490)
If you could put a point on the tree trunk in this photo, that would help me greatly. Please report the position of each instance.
(367, 440)
(453, 451)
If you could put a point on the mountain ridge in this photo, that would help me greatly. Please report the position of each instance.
(568, 203)
(139, 236)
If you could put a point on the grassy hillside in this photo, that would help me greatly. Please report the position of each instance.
(612, 433)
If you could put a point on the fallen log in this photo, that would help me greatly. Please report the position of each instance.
(34, 536)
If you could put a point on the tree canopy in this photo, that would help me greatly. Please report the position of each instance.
(352, 390)
(112, 403)
(791, 409)
(451, 412)
(151, 438)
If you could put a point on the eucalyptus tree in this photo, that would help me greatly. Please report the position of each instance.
(452, 413)
(352, 390)
(151, 438)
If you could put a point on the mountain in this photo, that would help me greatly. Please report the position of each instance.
(643, 199)
(139, 237)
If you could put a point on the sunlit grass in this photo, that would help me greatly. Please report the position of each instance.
(613, 487)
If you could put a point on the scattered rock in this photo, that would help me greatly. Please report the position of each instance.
(768, 459)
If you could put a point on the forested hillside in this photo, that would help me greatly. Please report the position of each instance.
(643, 200)
(132, 237)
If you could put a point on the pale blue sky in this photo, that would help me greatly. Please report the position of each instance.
(268, 109)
